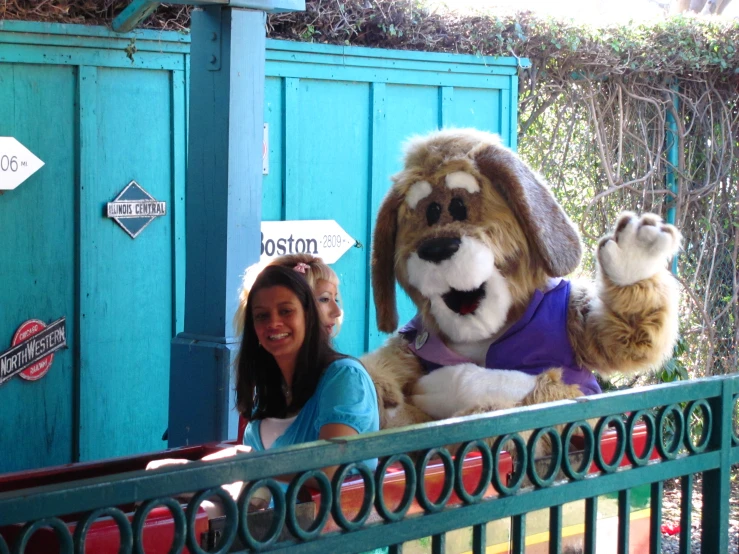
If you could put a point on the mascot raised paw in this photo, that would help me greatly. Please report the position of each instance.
(481, 246)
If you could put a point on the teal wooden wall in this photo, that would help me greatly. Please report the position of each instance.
(337, 117)
(98, 120)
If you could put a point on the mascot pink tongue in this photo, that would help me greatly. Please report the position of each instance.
(464, 302)
(481, 245)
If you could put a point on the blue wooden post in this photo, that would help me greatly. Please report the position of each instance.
(223, 206)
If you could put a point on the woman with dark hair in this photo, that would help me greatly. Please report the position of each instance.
(290, 383)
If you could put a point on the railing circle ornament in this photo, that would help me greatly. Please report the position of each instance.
(367, 500)
(602, 427)
(446, 488)
(486, 473)
(588, 452)
(702, 444)
(670, 452)
(634, 419)
(323, 512)
(124, 528)
(139, 520)
(520, 460)
(410, 487)
(229, 531)
(278, 513)
(555, 456)
(57, 525)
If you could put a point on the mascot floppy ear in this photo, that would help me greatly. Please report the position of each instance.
(552, 234)
(383, 263)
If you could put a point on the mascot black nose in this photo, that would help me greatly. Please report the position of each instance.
(438, 250)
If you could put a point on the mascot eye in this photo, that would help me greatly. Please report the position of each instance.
(433, 213)
(457, 209)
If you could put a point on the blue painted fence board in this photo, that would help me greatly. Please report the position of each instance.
(37, 262)
(337, 117)
(125, 285)
(98, 120)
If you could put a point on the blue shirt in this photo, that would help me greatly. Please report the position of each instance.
(345, 394)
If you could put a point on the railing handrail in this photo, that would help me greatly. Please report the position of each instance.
(715, 394)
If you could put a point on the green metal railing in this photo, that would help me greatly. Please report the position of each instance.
(691, 429)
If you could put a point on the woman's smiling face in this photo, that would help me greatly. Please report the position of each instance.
(327, 298)
(279, 322)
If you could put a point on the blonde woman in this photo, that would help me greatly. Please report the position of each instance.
(322, 280)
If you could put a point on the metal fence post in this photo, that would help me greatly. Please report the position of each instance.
(715, 511)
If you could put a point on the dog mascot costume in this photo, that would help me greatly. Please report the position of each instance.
(481, 246)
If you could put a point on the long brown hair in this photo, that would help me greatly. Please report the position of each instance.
(258, 377)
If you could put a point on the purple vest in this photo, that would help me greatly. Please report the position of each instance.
(536, 342)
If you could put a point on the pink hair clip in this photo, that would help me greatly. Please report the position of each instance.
(301, 267)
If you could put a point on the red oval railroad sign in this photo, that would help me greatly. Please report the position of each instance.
(26, 331)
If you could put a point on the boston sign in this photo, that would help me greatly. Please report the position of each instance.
(323, 238)
(33, 347)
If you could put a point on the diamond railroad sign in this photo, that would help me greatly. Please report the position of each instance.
(134, 208)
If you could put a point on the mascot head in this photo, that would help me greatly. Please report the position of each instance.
(470, 232)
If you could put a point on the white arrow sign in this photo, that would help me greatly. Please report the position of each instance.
(323, 238)
(17, 163)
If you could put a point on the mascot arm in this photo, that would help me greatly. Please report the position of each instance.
(468, 388)
(628, 321)
(394, 369)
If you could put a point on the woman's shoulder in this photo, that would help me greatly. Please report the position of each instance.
(345, 372)
(345, 366)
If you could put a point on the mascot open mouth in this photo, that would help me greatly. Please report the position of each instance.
(464, 302)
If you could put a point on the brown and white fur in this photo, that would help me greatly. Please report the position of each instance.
(512, 236)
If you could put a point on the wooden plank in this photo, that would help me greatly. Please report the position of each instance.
(275, 116)
(509, 130)
(37, 260)
(118, 43)
(86, 217)
(384, 75)
(408, 110)
(178, 121)
(126, 305)
(266, 5)
(362, 59)
(33, 29)
(378, 184)
(329, 181)
(11, 53)
(291, 184)
(386, 54)
(446, 106)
